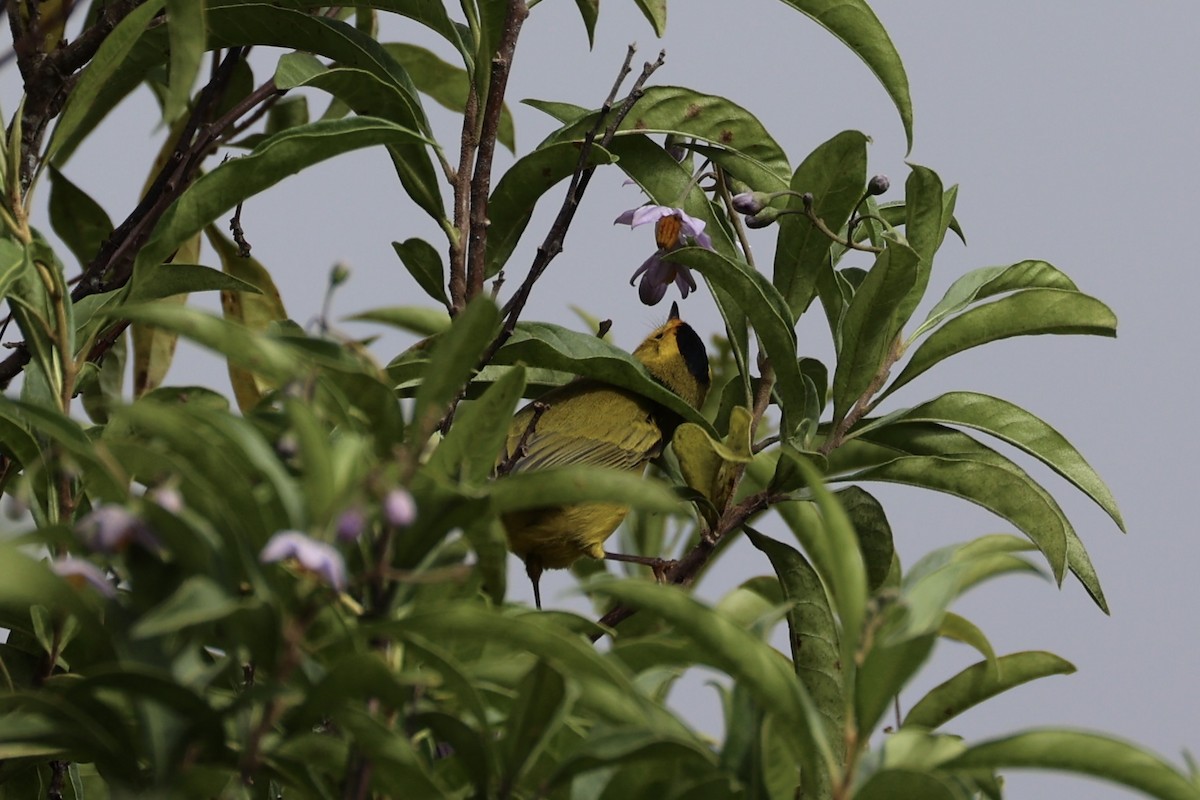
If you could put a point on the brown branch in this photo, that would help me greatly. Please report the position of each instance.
(113, 265)
(462, 194)
(481, 182)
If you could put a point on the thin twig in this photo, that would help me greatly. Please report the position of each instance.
(239, 235)
(481, 181)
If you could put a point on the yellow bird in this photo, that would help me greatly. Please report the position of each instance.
(588, 422)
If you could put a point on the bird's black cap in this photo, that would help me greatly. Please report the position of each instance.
(691, 347)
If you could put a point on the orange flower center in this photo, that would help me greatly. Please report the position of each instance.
(667, 231)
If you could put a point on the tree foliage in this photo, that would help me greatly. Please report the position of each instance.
(305, 595)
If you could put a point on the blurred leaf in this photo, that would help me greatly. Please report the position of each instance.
(256, 310)
(835, 175)
(655, 12)
(276, 158)
(886, 670)
(186, 33)
(1027, 312)
(425, 265)
(1021, 429)
(77, 219)
(521, 187)
(627, 746)
(421, 320)
(454, 357)
(540, 344)
(557, 486)
(1085, 753)
(469, 449)
(853, 22)
(871, 325)
(737, 652)
(541, 702)
(447, 84)
(963, 630)
(812, 633)
(980, 682)
(106, 391)
(198, 600)
(710, 467)
(95, 94)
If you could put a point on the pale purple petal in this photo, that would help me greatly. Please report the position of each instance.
(691, 226)
(351, 524)
(704, 240)
(647, 265)
(643, 215)
(399, 508)
(167, 497)
(316, 557)
(626, 217)
(80, 573)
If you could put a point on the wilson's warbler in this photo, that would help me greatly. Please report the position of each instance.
(588, 422)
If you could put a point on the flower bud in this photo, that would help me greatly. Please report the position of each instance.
(339, 274)
(763, 218)
(878, 185)
(351, 524)
(399, 509)
(750, 202)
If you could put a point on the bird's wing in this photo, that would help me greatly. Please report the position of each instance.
(616, 431)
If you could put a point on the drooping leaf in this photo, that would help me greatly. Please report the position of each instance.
(873, 530)
(1085, 753)
(655, 12)
(276, 158)
(1028, 312)
(980, 682)
(855, 24)
(455, 356)
(927, 219)
(424, 263)
(1018, 427)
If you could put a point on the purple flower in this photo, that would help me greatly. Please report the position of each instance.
(750, 202)
(110, 528)
(80, 573)
(350, 524)
(673, 229)
(399, 509)
(167, 497)
(318, 558)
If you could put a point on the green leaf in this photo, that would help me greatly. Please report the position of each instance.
(77, 219)
(768, 313)
(171, 279)
(687, 113)
(997, 489)
(628, 746)
(886, 669)
(960, 629)
(812, 633)
(655, 12)
(453, 359)
(985, 282)
(469, 450)
(590, 11)
(558, 486)
(539, 344)
(853, 22)
(424, 263)
(835, 174)
(1085, 753)
(270, 162)
(186, 34)
(13, 264)
(447, 84)
(541, 702)
(871, 325)
(980, 682)
(197, 601)
(93, 95)
(907, 784)
(750, 661)
(1021, 429)
(1027, 312)
(873, 530)
(927, 218)
(522, 186)
(420, 320)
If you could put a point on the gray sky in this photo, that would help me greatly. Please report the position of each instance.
(1069, 128)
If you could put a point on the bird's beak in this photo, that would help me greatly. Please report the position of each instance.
(674, 311)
